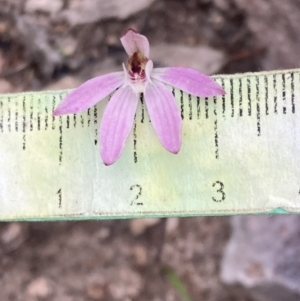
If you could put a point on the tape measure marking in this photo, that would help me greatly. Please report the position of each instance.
(39, 110)
(50, 167)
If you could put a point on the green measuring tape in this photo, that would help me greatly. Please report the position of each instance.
(240, 155)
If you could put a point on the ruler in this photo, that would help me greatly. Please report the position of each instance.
(240, 155)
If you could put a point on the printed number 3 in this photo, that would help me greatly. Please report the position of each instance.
(220, 190)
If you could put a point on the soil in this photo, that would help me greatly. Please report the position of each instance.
(106, 260)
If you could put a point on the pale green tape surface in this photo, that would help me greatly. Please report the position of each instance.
(240, 155)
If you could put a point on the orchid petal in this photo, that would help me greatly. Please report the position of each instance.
(188, 80)
(89, 93)
(116, 123)
(133, 42)
(164, 114)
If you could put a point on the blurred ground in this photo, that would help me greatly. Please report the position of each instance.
(57, 44)
(41, 41)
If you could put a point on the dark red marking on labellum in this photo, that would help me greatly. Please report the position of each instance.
(136, 66)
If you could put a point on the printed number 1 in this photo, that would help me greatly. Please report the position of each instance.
(220, 190)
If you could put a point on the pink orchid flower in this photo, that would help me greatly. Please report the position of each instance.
(138, 77)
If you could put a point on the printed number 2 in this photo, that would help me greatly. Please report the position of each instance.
(220, 190)
(138, 188)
